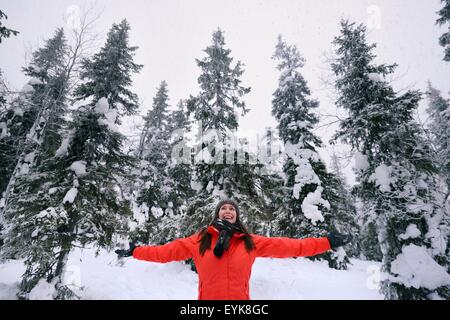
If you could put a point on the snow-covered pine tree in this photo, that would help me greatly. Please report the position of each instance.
(31, 122)
(16, 121)
(439, 111)
(75, 199)
(274, 192)
(368, 238)
(395, 176)
(155, 125)
(223, 168)
(270, 152)
(344, 218)
(33, 103)
(179, 167)
(177, 174)
(444, 17)
(439, 127)
(366, 218)
(55, 80)
(306, 212)
(155, 194)
(292, 108)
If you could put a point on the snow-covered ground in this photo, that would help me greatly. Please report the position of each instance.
(104, 277)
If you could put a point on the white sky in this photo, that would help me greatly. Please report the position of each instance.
(171, 34)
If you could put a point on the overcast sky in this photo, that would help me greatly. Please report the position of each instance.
(171, 34)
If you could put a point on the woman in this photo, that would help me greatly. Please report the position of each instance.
(224, 271)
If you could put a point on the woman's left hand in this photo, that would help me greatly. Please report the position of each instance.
(338, 239)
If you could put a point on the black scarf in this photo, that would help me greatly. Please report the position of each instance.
(226, 231)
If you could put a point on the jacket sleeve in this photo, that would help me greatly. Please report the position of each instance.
(177, 250)
(288, 247)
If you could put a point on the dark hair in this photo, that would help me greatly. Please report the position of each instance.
(205, 236)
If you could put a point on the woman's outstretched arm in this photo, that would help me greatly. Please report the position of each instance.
(288, 247)
(177, 250)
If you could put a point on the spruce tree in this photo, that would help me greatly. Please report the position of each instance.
(33, 124)
(444, 39)
(307, 209)
(272, 186)
(30, 124)
(155, 124)
(223, 167)
(50, 67)
(75, 198)
(396, 177)
(345, 218)
(154, 196)
(177, 177)
(439, 111)
(179, 167)
(25, 121)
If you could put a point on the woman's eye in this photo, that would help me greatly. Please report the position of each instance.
(224, 208)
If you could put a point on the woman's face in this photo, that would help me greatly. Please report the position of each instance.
(228, 212)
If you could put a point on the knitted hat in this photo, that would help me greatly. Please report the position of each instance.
(227, 201)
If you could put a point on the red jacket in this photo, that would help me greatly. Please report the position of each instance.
(227, 278)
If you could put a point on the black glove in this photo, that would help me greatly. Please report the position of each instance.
(122, 253)
(337, 239)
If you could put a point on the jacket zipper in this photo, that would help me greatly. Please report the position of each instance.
(228, 272)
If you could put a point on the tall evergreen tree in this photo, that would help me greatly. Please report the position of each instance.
(24, 121)
(439, 111)
(396, 178)
(75, 198)
(270, 156)
(30, 125)
(155, 124)
(179, 167)
(221, 89)
(50, 66)
(307, 206)
(177, 175)
(368, 240)
(223, 168)
(444, 17)
(270, 150)
(343, 205)
(155, 197)
(114, 65)
(12, 135)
